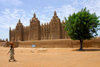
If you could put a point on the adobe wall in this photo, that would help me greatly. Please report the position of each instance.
(1, 43)
(60, 43)
(35, 31)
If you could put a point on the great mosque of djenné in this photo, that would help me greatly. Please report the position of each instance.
(48, 31)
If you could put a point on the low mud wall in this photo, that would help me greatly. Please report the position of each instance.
(1, 43)
(60, 43)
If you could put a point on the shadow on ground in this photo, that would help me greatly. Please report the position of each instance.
(87, 50)
(14, 61)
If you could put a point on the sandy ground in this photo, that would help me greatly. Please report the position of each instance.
(51, 57)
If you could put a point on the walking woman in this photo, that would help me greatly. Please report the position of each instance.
(11, 51)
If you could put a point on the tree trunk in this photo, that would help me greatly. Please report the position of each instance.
(81, 44)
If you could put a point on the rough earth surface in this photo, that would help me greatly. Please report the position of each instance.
(51, 57)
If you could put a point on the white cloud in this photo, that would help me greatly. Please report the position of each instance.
(63, 11)
(44, 19)
(93, 6)
(9, 18)
(77, 5)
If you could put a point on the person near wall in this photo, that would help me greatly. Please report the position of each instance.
(11, 52)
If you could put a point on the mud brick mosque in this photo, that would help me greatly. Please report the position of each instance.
(48, 31)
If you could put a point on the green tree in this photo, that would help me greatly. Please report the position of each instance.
(82, 25)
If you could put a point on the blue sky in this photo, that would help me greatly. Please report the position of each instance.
(12, 10)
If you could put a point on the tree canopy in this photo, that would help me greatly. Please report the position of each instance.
(82, 25)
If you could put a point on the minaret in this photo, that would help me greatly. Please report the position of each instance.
(19, 21)
(34, 18)
(34, 28)
(55, 27)
(63, 22)
(55, 14)
(19, 31)
(34, 15)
